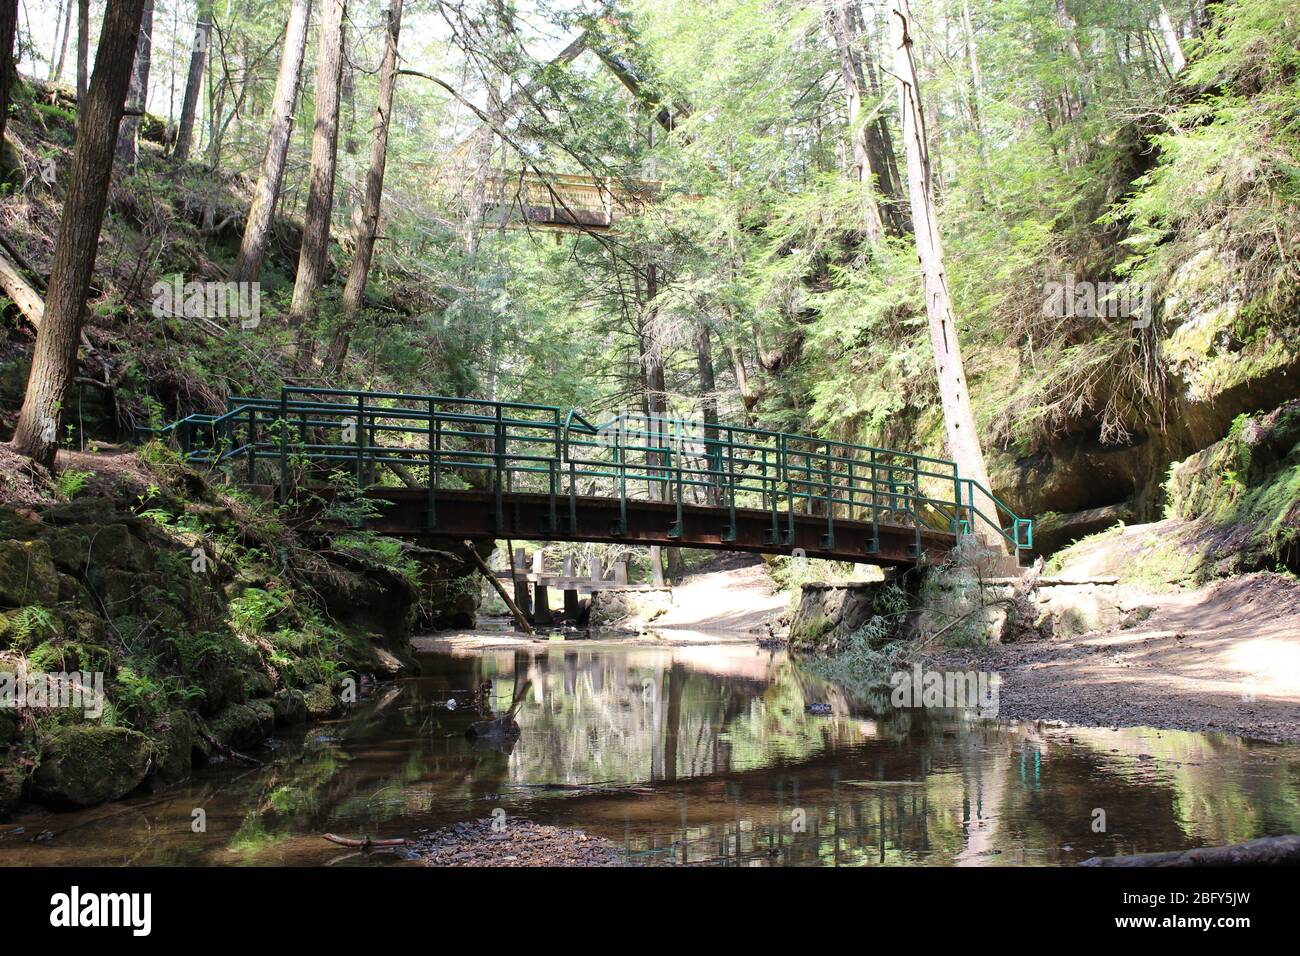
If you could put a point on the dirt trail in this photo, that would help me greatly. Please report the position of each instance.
(730, 596)
(1222, 658)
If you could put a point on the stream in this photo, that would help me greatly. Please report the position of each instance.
(700, 754)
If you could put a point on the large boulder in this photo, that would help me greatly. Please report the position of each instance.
(633, 609)
(241, 726)
(86, 764)
(829, 612)
(27, 574)
(11, 788)
(174, 747)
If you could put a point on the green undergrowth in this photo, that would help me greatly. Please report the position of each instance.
(209, 612)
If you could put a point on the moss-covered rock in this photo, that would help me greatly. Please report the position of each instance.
(76, 548)
(244, 725)
(15, 526)
(86, 764)
(173, 747)
(83, 511)
(829, 613)
(27, 574)
(321, 702)
(11, 787)
(8, 727)
(290, 706)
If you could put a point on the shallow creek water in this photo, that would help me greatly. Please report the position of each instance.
(696, 754)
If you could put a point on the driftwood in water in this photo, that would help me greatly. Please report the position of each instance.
(503, 727)
(364, 844)
(1266, 851)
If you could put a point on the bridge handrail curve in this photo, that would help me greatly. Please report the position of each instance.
(721, 462)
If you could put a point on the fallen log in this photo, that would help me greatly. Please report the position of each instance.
(24, 295)
(1266, 851)
(29, 302)
(363, 844)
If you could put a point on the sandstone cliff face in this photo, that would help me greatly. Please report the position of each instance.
(1220, 346)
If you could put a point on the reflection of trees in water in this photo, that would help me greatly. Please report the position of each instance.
(733, 756)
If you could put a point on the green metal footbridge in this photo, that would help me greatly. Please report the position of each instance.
(461, 467)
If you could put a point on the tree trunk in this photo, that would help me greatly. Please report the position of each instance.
(314, 255)
(261, 214)
(194, 80)
(708, 391)
(8, 62)
(1172, 44)
(62, 45)
(837, 12)
(368, 224)
(963, 439)
(1070, 29)
(976, 93)
(83, 50)
(137, 96)
(880, 144)
(54, 359)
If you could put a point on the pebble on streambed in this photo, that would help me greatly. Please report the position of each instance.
(519, 843)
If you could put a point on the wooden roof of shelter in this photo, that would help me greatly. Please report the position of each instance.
(566, 201)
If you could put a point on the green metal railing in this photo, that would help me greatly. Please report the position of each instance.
(444, 443)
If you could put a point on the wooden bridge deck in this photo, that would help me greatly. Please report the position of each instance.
(462, 514)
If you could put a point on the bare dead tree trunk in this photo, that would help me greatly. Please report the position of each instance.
(261, 214)
(54, 359)
(1070, 29)
(880, 144)
(963, 439)
(368, 221)
(976, 94)
(837, 13)
(314, 255)
(137, 96)
(83, 49)
(61, 44)
(194, 80)
(1173, 45)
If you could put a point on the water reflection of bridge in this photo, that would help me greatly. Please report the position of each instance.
(730, 754)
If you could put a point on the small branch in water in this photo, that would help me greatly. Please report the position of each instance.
(364, 844)
(227, 751)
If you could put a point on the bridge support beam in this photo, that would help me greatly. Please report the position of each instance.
(570, 613)
(542, 616)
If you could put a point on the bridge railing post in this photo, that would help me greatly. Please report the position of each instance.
(620, 463)
(729, 533)
(956, 500)
(916, 505)
(284, 444)
(433, 437)
(360, 441)
(498, 459)
(252, 444)
(874, 545)
(828, 484)
(679, 528)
